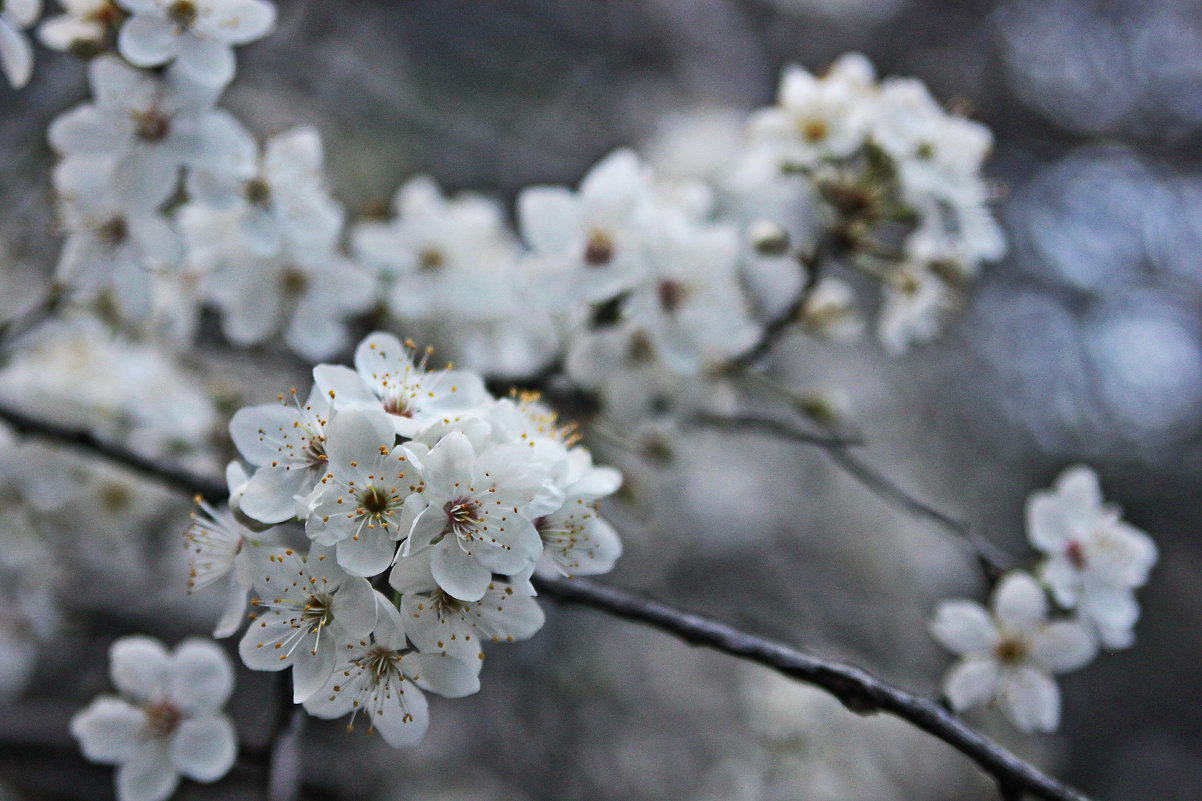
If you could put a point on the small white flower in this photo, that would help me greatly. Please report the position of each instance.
(1095, 560)
(1008, 656)
(197, 34)
(152, 126)
(288, 446)
(168, 721)
(913, 308)
(381, 677)
(83, 29)
(306, 612)
(356, 507)
(16, 56)
(475, 512)
(388, 377)
(437, 622)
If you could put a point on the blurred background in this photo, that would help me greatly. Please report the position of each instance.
(1084, 344)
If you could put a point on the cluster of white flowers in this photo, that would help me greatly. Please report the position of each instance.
(1094, 561)
(408, 478)
(898, 182)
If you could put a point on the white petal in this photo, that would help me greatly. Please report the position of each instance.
(149, 775)
(83, 130)
(269, 495)
(1063, 578)
(444, 675)
(204, 750)
(234, 612)
(405, 718)
(202, 677)
(242, 21)
(16, 56)
(357, 435)
(1108, 606)
(140, 667)
(970, 683)
(354, 608)
(370, 554)
(1030, 699)
(208, 61)
(147, 41)
(110, 730)
(963, 627)
(1062, 646)
(1019, 602)
(24, 12)
(549, 218)
(345, 383)
(460, 575)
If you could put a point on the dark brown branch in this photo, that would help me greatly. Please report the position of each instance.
(211, 489)
(856, 688)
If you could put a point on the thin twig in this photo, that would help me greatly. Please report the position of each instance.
(747, 421)
(211, 489)
(856, 688)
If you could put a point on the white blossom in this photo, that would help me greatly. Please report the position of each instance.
(168, 720)
(306, 611)
(1008, 654)
(198, 34)
(382, 678)
(1095, 560)
(83, 28)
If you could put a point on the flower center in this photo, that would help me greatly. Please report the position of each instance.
(463, 516)
(106, 14)
(671, 294)
(431, 260)
(1010, 650)
(317, 612)
(257, 192)
(113, 232)
(374, 501)
(814, 131)
(162, 718)
(599, 250)
(444, 604)
(183, 13)
(152, 125)
(293, 282)
(1075, 554)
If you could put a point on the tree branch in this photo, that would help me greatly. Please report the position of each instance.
(857, 689)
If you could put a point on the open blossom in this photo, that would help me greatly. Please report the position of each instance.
(1095, 560)
(288, 446)
(84, 27)
(168, 720)
(437, 622)
(198, 34)
(307, 610)
(475, 512)
(356, 507)
(383, 678)
(1009, 653)
(388, 377)
(151, 126)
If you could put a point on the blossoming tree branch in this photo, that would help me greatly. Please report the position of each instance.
(382, 529)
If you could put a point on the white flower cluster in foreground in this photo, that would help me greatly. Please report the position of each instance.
(426, 506)
(1094, 561)
(167, 722)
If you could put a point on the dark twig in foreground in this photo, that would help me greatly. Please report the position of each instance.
(856, 688)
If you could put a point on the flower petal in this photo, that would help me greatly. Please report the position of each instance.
(149, 775)
(202, 677)
(148, 41)
(1019, 602)
(459, 574)
(970, 683)
(1062, 646)
(207, 61)
(1030, 698)
(204, 750)
(140, 667)
(962, 626)
(110, 730)
(444, 675)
